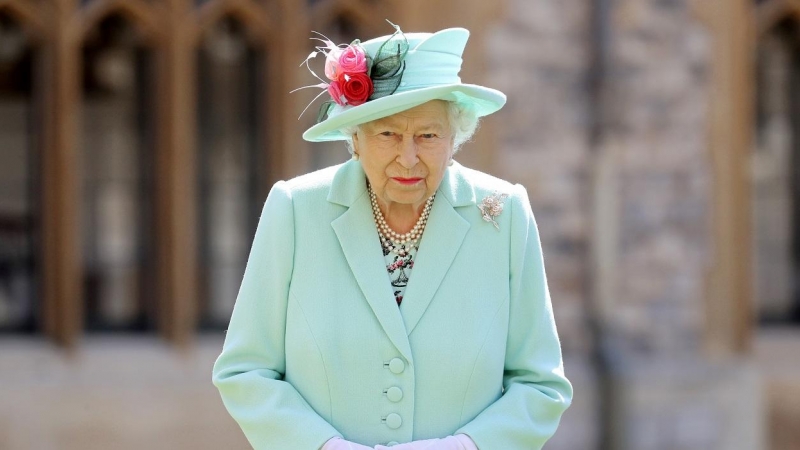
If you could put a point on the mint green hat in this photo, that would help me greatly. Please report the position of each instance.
(432, 64)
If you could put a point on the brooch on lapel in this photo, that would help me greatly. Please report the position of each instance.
(491, 207)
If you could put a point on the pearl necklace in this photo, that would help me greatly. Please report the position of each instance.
(399, 244)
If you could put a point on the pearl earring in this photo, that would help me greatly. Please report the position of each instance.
(355, 156)
(450, 163)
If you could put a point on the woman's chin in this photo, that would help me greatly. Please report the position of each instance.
(408, 195)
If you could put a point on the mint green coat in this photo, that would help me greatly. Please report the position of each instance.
(317, 346)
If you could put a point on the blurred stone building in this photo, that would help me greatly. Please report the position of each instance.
(658, 140)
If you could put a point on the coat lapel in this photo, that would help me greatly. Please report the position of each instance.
(441, 240)
(358, 238)
(440, 244)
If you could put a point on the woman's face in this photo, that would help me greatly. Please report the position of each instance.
(405, 155)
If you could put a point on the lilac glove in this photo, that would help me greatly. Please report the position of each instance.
(337, 443)
(457, 442)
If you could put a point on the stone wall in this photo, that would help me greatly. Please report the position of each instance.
(655, 130)
(659, 81)
(624, 218)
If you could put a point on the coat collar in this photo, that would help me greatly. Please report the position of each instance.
(439, 246)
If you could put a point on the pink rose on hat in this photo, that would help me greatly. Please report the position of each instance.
(353, 60)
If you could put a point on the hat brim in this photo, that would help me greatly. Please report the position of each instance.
(482, 100)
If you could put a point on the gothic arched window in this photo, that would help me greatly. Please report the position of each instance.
(19, 175)
(231, 166)
(117, 168)
(139, 139)
(776, 177)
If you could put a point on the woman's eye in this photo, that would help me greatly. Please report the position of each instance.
(387, 133)
(428, 136)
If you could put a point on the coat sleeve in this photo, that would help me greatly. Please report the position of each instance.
(535, 391)
(250, 370)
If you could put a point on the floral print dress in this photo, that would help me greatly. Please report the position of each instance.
(399, 269)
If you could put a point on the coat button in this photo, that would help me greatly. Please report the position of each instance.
(396, 365)
(393, 421)
(394, 394)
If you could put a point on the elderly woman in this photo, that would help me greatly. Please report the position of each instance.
(398, 299)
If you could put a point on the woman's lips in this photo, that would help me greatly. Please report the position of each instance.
(407, 181)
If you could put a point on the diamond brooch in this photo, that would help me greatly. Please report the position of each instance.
(491, 207)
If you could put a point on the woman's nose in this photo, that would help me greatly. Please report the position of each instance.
(407, 153)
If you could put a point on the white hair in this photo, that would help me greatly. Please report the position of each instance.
(463, 123)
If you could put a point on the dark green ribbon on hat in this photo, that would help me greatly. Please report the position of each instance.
(388, 65)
